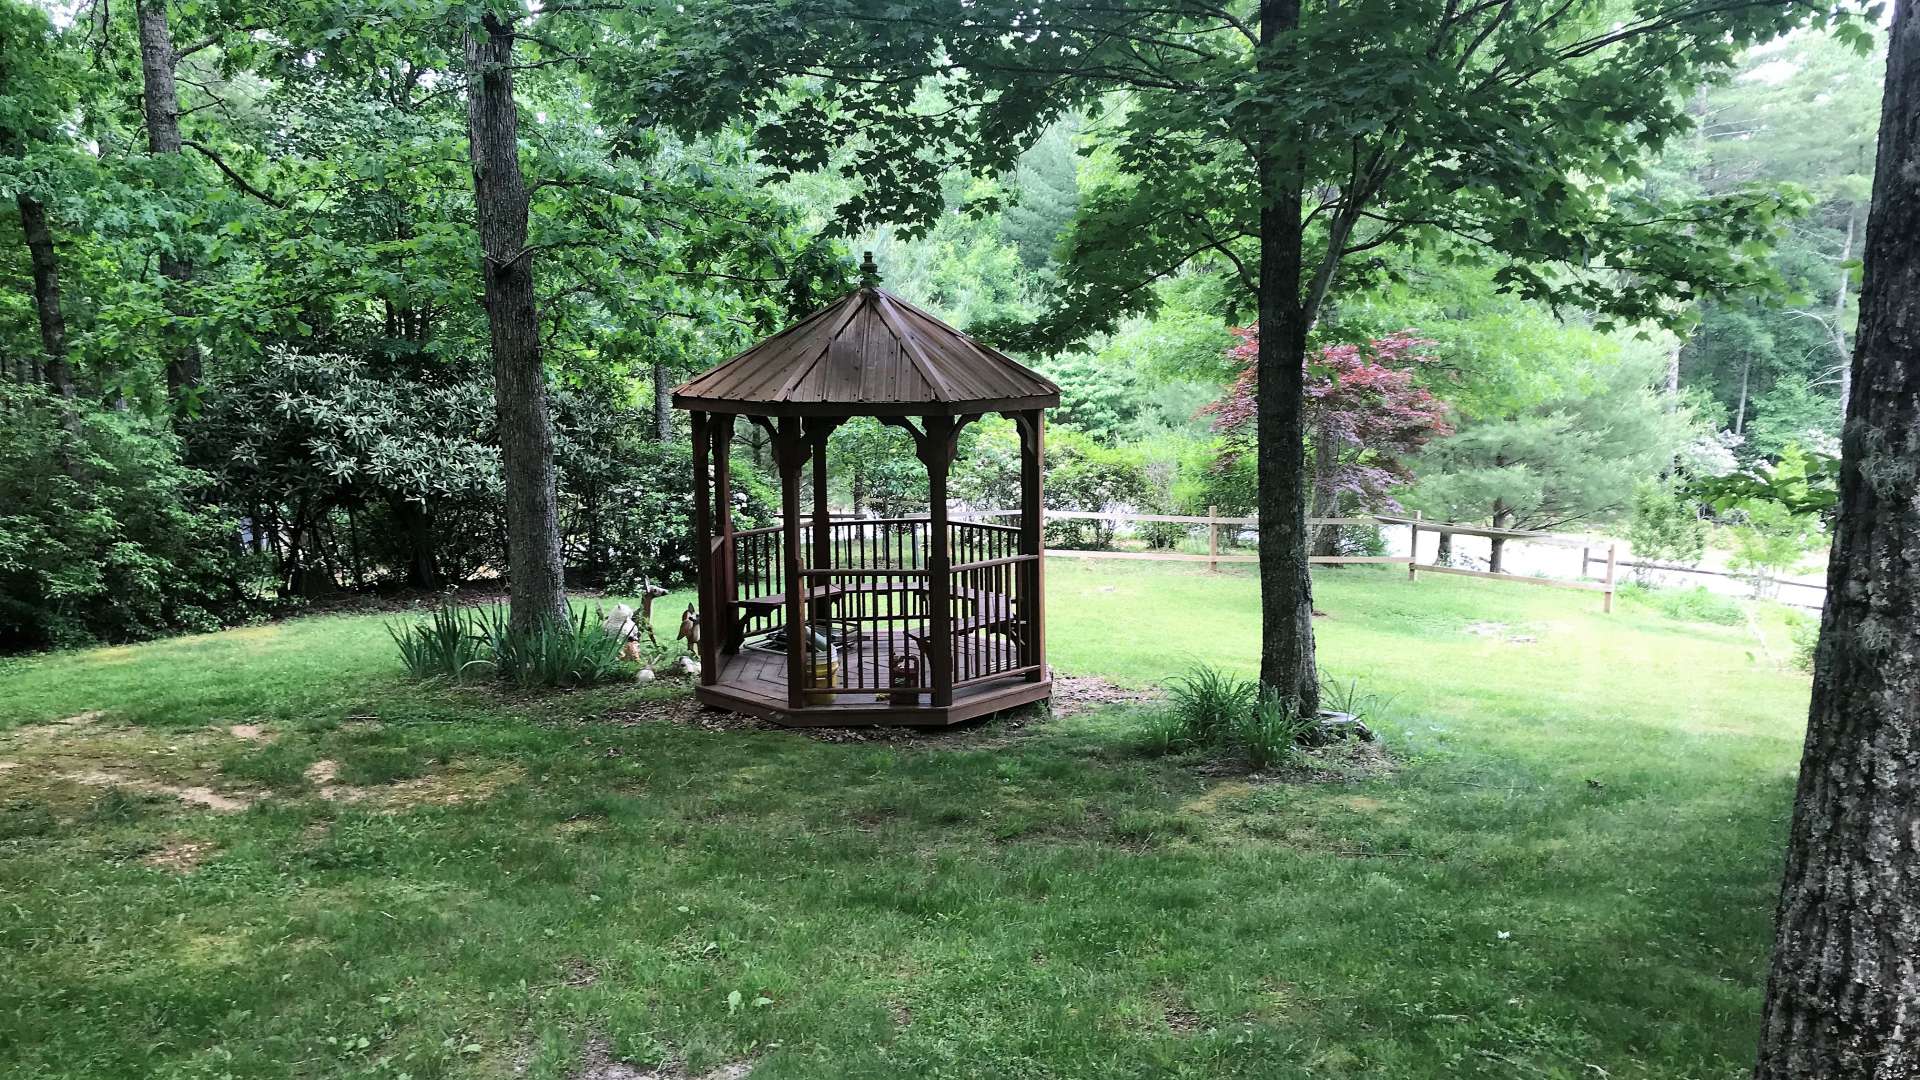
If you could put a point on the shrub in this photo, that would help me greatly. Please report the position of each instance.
(1161, 535)
(104, 535)
(1665, 527)
(1083, 475)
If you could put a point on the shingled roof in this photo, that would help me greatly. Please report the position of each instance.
(869, 353)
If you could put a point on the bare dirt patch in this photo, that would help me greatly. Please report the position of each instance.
(1499, 632)
(1209, 800)
(253, 733)
(1076, 694)
(60, 762)
(449, 788)
(224, 802)
(179, 856)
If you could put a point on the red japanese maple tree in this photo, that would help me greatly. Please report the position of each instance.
(1364, 413)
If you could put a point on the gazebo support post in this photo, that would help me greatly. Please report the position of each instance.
(705, 551)
(790, 454)
(936, 453)
(1033, 531)
(817, 432)
(726, 592)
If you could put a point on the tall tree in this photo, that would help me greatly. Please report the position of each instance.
(1285, 144)
(160, 101)
(33, 103)
(1843, 996)
(519, 382)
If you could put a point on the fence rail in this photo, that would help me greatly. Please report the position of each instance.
(1607, 586)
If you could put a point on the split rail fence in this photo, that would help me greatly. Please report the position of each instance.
(1606, 586)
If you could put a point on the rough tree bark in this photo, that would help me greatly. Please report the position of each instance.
(537, 591)
(1286, 590)
(1840, 355)
(46, 293)
(1497, 546)
(161, 100)
(1843, 996)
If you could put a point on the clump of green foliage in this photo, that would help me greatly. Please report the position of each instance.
(1697, 604)
(446, 646)
(453, 643)
(1212, 710)
(1770, 541)
(1270, 734)
(1665, 527)
(1084, 475)
(1208, 704)
(554, 654)
(1804, 632)
(105, 535)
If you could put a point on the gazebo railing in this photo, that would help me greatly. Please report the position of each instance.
(874, 594)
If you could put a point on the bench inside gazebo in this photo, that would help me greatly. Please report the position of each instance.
(828, 619)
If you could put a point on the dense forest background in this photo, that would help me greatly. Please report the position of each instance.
(246, 361)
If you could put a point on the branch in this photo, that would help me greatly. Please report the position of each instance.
(238, 180)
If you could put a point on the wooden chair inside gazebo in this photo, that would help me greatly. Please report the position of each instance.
(910, 620)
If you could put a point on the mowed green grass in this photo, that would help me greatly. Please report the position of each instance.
(1568, 873)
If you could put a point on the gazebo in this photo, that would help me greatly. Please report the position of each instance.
(843, 620)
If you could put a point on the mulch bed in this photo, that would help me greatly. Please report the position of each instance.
(1072, 695)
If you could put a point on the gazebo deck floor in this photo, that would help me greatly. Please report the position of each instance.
(754, 682)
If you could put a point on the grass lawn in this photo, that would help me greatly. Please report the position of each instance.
(1569, 872)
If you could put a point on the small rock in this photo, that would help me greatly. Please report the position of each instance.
(645, 675)
(689, 666)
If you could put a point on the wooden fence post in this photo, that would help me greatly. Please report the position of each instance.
(1413, 549)
(1612, 553)
(1213, 539)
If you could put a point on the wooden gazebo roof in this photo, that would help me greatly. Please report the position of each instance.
(869, 353)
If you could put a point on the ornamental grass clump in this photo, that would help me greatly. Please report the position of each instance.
(554, 653)
(448, 645)
(1207, 704)
(455, 643)
(1210, 710)
(1271, 732)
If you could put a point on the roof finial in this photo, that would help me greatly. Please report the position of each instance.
(869, 272)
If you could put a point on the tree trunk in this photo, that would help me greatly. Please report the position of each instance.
(1443, 555)
(662, 403)
(1740, 413)
(1840, 355)
(1286, 590)
(1497, 546)
(423, 554)
(537, 591)
(1843, 996)
(162, 109)
(46, 293)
